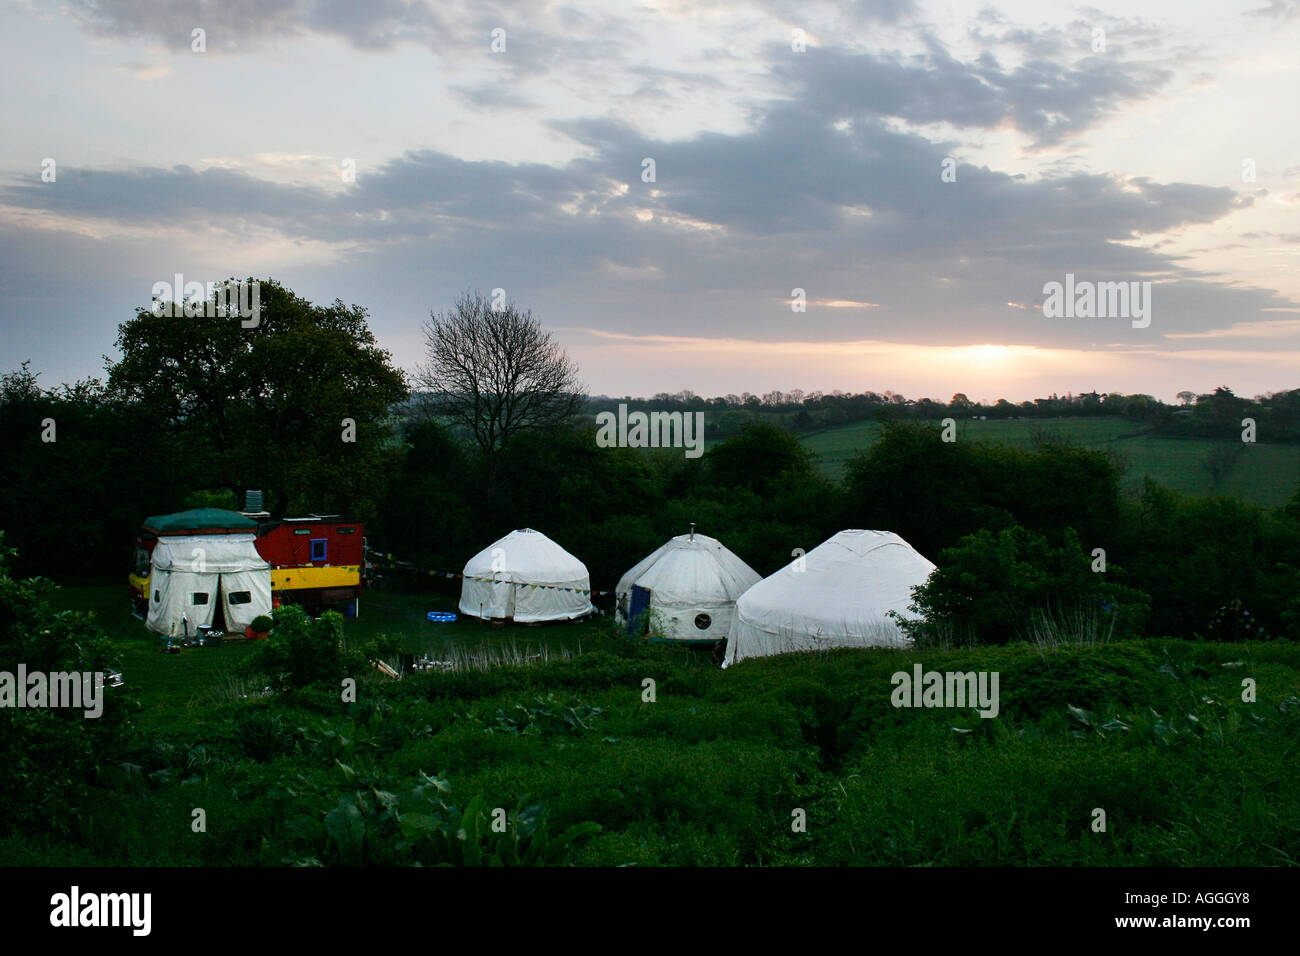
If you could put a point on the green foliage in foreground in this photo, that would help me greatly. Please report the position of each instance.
(49, 754)
(584, 771)
(303, 651)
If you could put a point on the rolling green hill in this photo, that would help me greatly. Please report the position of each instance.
(1266, 474)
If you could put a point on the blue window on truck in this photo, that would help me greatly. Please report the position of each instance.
(318, 548)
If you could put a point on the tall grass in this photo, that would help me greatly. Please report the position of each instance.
(1075, 627)
(490, 656)
(227, 688)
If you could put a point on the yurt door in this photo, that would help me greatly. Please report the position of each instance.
(639, 606)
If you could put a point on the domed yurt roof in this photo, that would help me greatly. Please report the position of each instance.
(691, 582)
(838, 595)
(527, 577)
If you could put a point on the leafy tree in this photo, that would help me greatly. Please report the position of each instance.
(991, 586)
(266, 406)
(933, 492)
(760, 493)
(756, 458)
(1194, 555)
(427, 513)
(77, 474)
(1222, 410)
(561, 479)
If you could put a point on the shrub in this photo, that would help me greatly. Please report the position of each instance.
(304, 652)
(51, 754)
(991, 585)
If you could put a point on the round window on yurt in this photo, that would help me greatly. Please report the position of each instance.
(702, 621)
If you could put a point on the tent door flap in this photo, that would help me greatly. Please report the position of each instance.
(636, 613)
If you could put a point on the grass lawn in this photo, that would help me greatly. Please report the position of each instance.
(199, 677)
(168, 686)
(1264, 473)
(393, 613)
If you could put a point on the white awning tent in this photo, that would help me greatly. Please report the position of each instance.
(526, 577)
(838, 595)
(689, 588)
(190, 574)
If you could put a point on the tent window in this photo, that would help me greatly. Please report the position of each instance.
(199, 597)
(157, 597)
(702, 621)
(241, 597)
(318, 548)
(347, 530)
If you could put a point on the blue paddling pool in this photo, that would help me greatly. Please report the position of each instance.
(441, 617)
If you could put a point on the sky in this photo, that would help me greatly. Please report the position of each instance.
(921, 171)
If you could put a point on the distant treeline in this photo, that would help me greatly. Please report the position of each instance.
(1212, 415)
(1019, 527)
(310, 410)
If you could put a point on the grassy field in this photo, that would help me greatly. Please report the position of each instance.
(712, 770)
(1263, 473)
(197, 678)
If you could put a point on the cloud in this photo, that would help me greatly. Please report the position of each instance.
(1279, 11)
(1275, 329)
(247, 24)
(1047, 99)
(538, 37)
(832, 184)
(860, 12)
(731, 225)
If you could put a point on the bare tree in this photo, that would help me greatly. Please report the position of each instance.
(496, 372)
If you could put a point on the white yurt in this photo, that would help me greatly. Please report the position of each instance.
(688, 587)
(837, 595)
(527, 577)
(193, 576)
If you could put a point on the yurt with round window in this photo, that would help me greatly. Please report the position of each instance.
(685, 592)
(839, 594)
(528, 578)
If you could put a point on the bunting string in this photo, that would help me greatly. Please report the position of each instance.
(384, 561)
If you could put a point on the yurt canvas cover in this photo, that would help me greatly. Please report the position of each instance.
(191, 573)
(839, 599)
(505, 580)
(689, 588)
